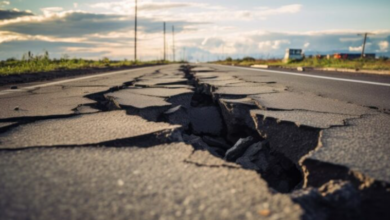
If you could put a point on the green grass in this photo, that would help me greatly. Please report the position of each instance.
(362, 64)
(37, 64)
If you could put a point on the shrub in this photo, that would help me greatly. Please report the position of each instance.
(248, 59)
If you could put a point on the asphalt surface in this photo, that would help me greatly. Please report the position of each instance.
(148, 143)
(357, 93)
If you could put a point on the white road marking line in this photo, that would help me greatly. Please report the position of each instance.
(312, 76)
(10, 91)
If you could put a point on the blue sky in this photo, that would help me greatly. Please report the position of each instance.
(260, 28)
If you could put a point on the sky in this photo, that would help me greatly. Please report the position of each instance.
(204, 30)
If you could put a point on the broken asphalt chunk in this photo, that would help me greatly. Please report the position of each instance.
(239, 149)
(309, 102)
(178, 116)
(199, 144)
(81, 130)
(160, 92)
(246, 90)
(205, 158)
(128, 98)
(256, 157)
(306, 118)
(363, 147)
(47, 101)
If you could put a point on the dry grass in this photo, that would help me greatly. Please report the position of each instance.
(362, 64)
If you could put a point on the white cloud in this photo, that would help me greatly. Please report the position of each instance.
(306, 45)
(286, 9)
(356, 49)
(51, 10)
(6, 36)
(272, 45)
(350, 39)
(383, 46)
(128, 5)
(75, 5)
(360, 48)
(4, 3)
(199, 12)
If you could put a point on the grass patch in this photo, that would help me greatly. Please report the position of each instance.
(42, 63)
(361, 64)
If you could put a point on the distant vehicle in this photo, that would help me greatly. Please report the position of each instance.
(351, 56)
(293, 54)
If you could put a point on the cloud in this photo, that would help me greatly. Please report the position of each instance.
(76, 23)
(4, 3)
(198, 12)
(108, 33)
(356, 49)
(272, 45)
(12, 14)
(212, 42)
(56, 49)
(9, 36)
(66, 24)
(51, 10)
(383, 46)
(128, 5)
(350, 39)
(286, 9)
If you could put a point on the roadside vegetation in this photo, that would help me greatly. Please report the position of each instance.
(31, 63)
(363, 64)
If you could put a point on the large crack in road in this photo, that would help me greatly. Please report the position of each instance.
(245, 122)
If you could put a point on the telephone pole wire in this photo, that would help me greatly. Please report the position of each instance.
(135, 32)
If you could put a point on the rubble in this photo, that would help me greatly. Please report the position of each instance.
(239, 149)
(334, 200)
(256, 157)
(177, 116)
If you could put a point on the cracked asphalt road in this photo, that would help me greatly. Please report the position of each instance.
(149, 143)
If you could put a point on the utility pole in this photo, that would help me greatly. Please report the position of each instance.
(173, 43)
(364, 41)
(165, 44)
(135, 33)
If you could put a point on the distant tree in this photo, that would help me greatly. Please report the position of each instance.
(11, 59)
(248, 59)
(229, 59)
(46, 55)
(28, 56)
(65, 57)
(106, 61)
